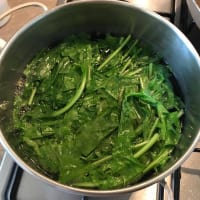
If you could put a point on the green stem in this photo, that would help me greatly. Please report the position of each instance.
(153, 127)
(150, 69)
(125, 66)
(112, 55)
(139, 145)
(133, 72)
(73, 100)
(30, 101)
(32, 144)
(125, 55)
(162, 111)
(142, 83)
(98, 162)
(89, 76)
(130, 49)
(145, 148)
(153, 164)
(63, 63)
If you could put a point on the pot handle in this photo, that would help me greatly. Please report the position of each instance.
(9, 11)
(37, 4)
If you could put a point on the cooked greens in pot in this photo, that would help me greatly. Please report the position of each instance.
(98, 113)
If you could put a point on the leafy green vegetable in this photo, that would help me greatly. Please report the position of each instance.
(98, 113)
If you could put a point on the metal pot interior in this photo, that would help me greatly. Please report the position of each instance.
(118, 18)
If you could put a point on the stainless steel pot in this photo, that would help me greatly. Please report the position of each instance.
(103, 16)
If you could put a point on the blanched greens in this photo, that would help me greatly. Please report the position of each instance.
(97, 113)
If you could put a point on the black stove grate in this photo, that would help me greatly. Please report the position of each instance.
(175, 183)
(13, 183)
(188, 26)
(171, 14)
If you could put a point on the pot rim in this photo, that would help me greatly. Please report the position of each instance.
(89, 192)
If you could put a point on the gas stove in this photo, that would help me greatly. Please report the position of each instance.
(183, 184)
